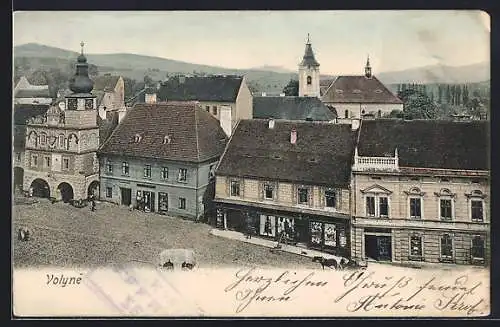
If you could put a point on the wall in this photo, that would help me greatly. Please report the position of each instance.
(33, 100)
(312, 89)
(244, 104)
(355, 109)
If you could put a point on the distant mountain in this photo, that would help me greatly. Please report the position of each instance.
(439, 74)
(262, 79)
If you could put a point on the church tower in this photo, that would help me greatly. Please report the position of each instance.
(309, 73)
(368, 68)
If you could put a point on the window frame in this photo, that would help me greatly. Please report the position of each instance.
(446, 194)
(164, 173)
(335, 198)
(441, 216)
(237, 184)
(447, 258)
(109, 192)
(125, 168)
(377, 204)
(478, 200)
(65, 159)
(34, 160)
(43, 139)
(309, 80)
(416, 257)
(109, 166)
(47, 161)
(483, 239)
(182, 175)
(147, 171)
(303, 188)
(182, 203)
(265, 187)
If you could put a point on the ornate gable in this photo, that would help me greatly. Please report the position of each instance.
(375, 188)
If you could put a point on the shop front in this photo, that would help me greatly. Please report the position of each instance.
(327, 234)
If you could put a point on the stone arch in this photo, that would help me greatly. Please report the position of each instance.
(18, 178)
(40, 188)
(93, 189)
(66, 191)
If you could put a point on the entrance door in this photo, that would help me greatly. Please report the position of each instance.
(149, 201)
(371, 251)
(162, 202)
(126, 196)
(378, 247)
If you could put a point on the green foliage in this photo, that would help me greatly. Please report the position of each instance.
(292, 88)
(417, 105)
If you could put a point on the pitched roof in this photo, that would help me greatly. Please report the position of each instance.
(359, 89)
(291, 108)
(105, 82)
(201, 88)
(428, 143)
(191, 133)
(322, 154)
(107, 126)
(22, 112)
(308, 59)
(324, 84)
(33, 93)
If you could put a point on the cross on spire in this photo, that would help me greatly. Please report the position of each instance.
(308, 39)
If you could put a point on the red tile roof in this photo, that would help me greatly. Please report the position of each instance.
(194, 135)
(359, 89)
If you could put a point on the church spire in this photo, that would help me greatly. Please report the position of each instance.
(81, 83)
(308, 59)
(368, 68)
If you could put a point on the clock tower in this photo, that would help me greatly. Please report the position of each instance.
(309, 73)
(61, 146)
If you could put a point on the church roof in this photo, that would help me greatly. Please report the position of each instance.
(308, 59)
(322, 154)
(105, 82)
(291, 108)
(191, 134)
(436, 144)
(359, 89)
(201, 88)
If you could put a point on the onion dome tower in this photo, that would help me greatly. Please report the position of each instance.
(81, 85)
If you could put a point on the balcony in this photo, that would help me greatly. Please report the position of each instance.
(376, 163)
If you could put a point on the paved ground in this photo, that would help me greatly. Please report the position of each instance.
(66, 236)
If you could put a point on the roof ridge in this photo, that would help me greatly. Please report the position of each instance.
(196, 131)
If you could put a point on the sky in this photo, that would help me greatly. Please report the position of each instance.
(341, 40)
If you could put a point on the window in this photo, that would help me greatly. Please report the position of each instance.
(109, 167)
(164, 173)
(43, 139)
(34, 160)
(46, 161)
(476, 210)
(182, 203)
(235, 188)
(65, 163)
(207, 108)
(182, 175)
(61, 141)
(109, 192)
(383, 207)
(346, 114)
(415, 208)
(330, 199)
(18, 156)
(416, 246)
(309, 80)
(446, 247)
(214, 110)
(445, 208)
(268, 191)
(379, 113)
(303, 195)
(147, 171)
(125, 168)
(477, 249)
(370, 206)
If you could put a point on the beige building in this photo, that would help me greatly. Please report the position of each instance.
(421, 192)
(60, 152)
(226, 97)
(110, 92)
(278, 178)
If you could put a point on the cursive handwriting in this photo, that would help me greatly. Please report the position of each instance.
(62, 280)
(252, 287)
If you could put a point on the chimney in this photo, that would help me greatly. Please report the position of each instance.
(263, 94)
(150, 98)
(354, 124)
(282, 94)
(271, 123)
(293, 136)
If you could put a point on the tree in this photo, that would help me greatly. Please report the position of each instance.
(440, 93)
(148, 80)
(292, 88)
(395, 114)
(417, 105)
(465, 95)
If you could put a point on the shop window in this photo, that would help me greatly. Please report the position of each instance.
(477, 249)
(416, 250)
(446, 247)
(162, 202)
(235, 188)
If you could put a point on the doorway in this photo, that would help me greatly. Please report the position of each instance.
(126, 196)
(378, 247)
(66, 192)
(149, 201)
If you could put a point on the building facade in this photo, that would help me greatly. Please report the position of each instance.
(421, 192)
(61, 146)
(279, 179)
(225, 97)
(110, 92)
(26, 93)
(161, 158)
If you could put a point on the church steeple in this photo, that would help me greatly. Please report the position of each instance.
(80, 83)
(309, 73)
(308, 59)
(368, 68)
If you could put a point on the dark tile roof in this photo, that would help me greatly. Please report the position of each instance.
(322, 154)
(428, 143)
(291, 108)
(105, 82)
(198, 88)
(29, 93)
(359, 89)
(308, 59)
(195, 135)
(107, 126)
(22, 112)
